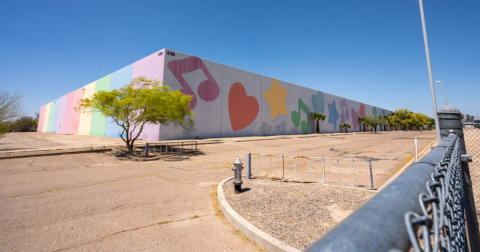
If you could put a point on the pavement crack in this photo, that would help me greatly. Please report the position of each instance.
(99, 183)
(80, 186)
(134, 229)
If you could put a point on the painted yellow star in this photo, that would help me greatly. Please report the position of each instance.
(276, 96)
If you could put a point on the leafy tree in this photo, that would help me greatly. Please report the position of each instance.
(431, 123)
(387, 122)
(24, 124)
(468, 118)
(138, 103)
(11, 105)
(363, 120)
(345, 126)
(374, 122)
(462, 116)
(318, 117)
(4, 129)
(403, 117)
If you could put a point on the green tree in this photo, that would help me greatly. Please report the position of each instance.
(138, 103)
(345, 126)
(4, 129)
(431, 123)
(403, 118)
(24, 124)
(374, 122)
(318, 117)
(363, 120)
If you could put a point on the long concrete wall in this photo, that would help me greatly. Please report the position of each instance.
(227, 102)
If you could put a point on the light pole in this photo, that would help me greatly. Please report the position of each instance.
(430, 75)
(443, 90)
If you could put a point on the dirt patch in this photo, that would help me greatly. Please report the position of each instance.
(295, 213)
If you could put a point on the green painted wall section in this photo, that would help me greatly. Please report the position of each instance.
(50, 117)
(99, 122)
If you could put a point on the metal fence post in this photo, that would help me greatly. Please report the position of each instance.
(195, 146)
(338, 167)
(146, 150)
(249, 165)
(450, 121)
(295, 168)
(166, 148)
(309, 179)
(355, 169)
(371, 173)
(271, 173)
(259, 165)
(323, 165)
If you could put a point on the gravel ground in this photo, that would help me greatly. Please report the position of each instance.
(295, 213)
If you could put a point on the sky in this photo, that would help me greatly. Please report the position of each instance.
(370, 51)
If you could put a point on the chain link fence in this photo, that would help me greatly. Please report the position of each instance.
(471, 133)
(341, 171)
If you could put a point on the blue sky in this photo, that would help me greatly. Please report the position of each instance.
(370, 51)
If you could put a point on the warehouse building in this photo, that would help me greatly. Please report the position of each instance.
(227, 102)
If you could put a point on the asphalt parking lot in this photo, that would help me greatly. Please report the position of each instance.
(98, 201)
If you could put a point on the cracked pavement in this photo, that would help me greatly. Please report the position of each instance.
(98, 201)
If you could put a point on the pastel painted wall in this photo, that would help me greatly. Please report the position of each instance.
(61, 114)
(50, 116)
(227, 102)
(41, 118)
(99, 122)
(47, 115)
(152, 68)
(119, 79)
(75, 119)
(67, 118)
(86, 117)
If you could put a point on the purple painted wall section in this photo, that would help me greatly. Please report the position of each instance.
(150, 67)
(61, 115)
(67, 117)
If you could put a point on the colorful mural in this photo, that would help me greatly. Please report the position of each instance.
(226, 101)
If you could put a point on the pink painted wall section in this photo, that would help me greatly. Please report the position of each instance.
(75, 118)
(67, 118)
(150, 67)
(41, 119)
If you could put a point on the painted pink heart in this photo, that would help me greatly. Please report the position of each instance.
(242, 109)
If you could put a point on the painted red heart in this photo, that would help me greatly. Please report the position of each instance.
(242, 109)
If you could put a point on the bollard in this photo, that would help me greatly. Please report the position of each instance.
(146, 150)
(249, 166)
(371, 173)
(416, 150)
(237, 174)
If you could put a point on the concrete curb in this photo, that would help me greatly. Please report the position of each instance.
(53, 152)
(144, 159)
(262, 239)
(406, 166)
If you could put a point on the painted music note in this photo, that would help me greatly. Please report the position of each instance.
(296, 117)
(208, 90)
(345, 113)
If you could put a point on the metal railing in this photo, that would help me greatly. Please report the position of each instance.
(164, 148)
(314, 169)
(425, 206)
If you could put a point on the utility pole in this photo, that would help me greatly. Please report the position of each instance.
(430, 75)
